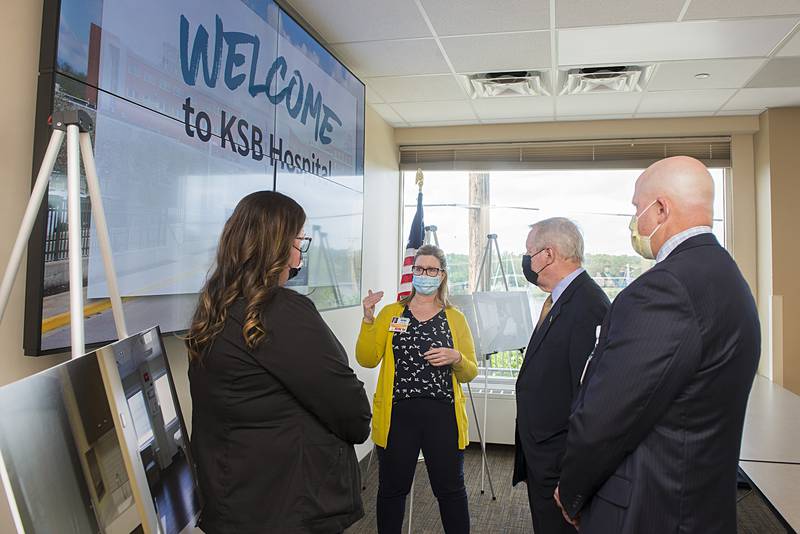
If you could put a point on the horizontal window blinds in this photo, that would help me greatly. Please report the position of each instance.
(596, 154)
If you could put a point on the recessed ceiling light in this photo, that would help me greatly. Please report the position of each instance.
(702, 75)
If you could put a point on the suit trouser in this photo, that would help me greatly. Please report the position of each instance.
(543, 470)
(429, 425)
(547, 518)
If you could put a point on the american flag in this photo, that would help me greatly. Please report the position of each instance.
(415, 239)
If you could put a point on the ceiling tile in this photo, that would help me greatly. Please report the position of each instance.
(393, 58)
(778, 72)
(388, 114)
(461, 17)
(435, 111)
(725, 74)
(721, 9)
(635, 43)
(418, 88)
(792, 48)
(373, 97)
(346, 21)
(512, 108)
(684, 101)
(761, 99)
(499, 52)
(601, 104)
(576, 13)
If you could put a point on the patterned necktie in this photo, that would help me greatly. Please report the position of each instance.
(548, 303)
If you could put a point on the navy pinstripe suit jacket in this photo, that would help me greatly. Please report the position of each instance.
(654, 437)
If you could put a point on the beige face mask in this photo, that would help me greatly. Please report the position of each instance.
(640, 243)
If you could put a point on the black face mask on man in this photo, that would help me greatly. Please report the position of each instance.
(531, 275)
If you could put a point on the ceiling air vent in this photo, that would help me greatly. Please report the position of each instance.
(613, 79)
(504, 84)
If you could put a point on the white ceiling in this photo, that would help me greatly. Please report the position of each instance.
(413, 54)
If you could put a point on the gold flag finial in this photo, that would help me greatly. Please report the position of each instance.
(420, 179)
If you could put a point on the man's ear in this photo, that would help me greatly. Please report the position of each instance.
(664, 208)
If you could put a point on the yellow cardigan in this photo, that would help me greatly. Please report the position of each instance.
(375, 345)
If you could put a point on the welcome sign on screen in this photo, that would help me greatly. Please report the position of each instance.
(196, 104)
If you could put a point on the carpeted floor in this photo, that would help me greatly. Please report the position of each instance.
(510, 514)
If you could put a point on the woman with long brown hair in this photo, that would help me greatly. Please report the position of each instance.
(425, 350)
(276, 407)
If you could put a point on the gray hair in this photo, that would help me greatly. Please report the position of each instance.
(562, 235)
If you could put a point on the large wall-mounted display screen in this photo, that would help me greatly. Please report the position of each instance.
(196, 104)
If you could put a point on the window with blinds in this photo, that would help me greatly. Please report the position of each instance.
(596, 154)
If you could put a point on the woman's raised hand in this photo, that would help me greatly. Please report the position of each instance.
(369, 303)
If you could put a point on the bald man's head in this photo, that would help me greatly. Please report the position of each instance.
(681, 192)
(685, 181)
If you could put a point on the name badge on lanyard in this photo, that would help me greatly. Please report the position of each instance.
(399, 324)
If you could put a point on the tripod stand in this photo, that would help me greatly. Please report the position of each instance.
(484, 284)
(430, 235)
(317, 233)
(76, 125)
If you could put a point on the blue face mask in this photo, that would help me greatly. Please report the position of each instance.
(426, 285)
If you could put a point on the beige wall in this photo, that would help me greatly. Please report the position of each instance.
(764, 247)
(20, 29)
(778, 198)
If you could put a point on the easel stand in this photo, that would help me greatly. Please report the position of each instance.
(322, 238)
(430, 234)
(484, 284)
(76, 125)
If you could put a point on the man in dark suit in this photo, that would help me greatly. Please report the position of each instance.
(554, 361)
(655, 433)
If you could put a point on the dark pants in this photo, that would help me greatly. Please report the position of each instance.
(547, 517)
(429, 425)
(543, 467)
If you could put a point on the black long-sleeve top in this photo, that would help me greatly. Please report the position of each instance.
(273, 428)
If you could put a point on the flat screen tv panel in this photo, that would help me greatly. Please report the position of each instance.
(195, 104)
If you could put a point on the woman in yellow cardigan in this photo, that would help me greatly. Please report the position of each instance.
(426, 352)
